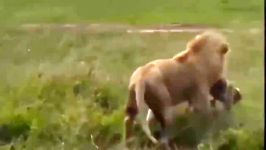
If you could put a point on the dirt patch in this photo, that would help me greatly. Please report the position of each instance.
(76, 27)
(116, 28)
(96, 28)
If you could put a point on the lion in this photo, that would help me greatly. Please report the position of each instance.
(188, 76)
(222, 91)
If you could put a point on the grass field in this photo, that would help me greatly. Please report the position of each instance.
(217, 12)
(60, 87)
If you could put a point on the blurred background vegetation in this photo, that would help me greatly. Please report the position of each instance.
(65, 88)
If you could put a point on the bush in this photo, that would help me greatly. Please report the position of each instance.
(15, 128)
(235, 139)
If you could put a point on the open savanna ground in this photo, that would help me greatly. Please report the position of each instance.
(65, 87)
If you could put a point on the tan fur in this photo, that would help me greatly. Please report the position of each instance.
(224, 94)
(188, 76)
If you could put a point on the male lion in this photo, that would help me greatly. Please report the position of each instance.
(188, 76)
(221, 91)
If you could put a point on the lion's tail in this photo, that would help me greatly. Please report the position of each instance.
(143, 109)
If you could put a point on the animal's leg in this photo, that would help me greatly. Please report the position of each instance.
(189, 109)
(146, 126)
(213, 103)
(201, 102)
(151, 121)
(159, 101)
(150, 117)
(131, 113)
(173, 145)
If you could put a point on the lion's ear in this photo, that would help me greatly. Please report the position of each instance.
(197, 44)
(237, 95)
(224, 48)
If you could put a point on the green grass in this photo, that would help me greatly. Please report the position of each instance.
(69, 85)
(214, 12)
(58, 87)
